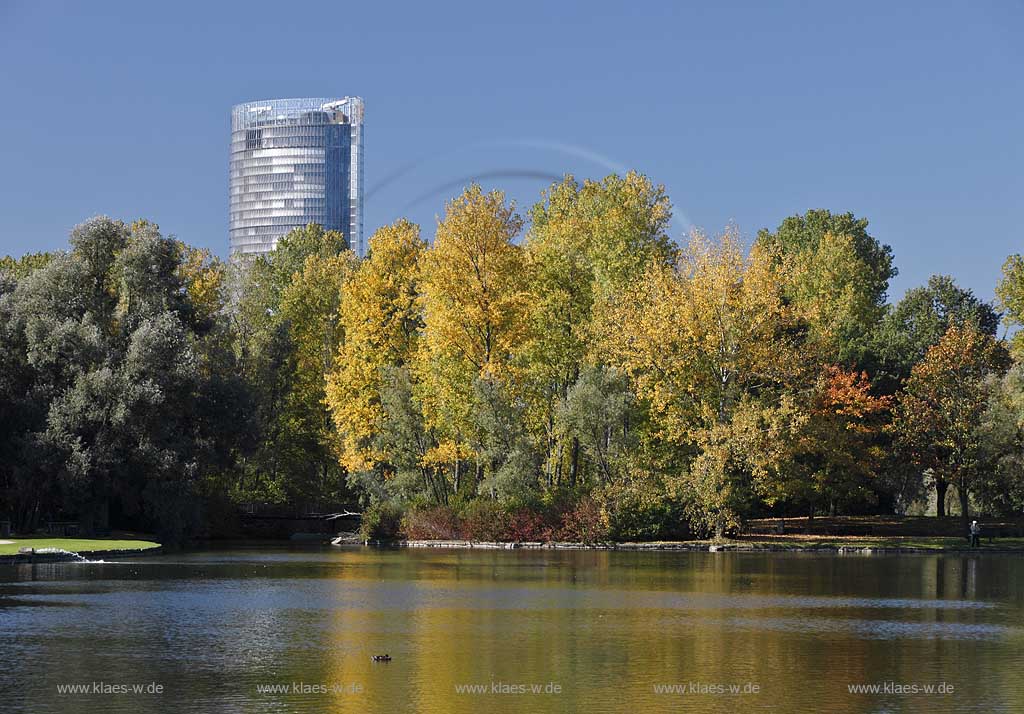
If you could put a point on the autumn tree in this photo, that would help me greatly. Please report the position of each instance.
(381, 321)
(838, 454)
(587, 243)
(18, 268)
(204, 277)
(918, 321)
(473, 303)
(309, 308)
(941, 409)
(712, 346)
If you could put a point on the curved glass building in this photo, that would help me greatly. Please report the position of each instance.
(295, 162)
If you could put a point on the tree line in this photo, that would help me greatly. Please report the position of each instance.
(572, 373)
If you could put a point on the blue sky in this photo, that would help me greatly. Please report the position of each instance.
(909, 114)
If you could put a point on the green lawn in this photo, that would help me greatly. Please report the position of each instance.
(75, 545)
(937, 543)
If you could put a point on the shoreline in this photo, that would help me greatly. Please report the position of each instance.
(652, 546)
(701, 546)
(71, 557)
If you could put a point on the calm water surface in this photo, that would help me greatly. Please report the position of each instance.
(514, 631)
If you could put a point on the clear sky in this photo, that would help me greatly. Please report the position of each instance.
(910, 114)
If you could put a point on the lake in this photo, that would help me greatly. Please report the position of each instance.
(294, 629)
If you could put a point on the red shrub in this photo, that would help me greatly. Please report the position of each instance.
(584, 523)
(526, 525)
(435, 523)
(484, 521)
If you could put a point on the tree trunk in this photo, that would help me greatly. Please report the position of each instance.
(34, 519)
(574, 468)
(558, 465)
(964, 507)
(26, 517)
(940, 497)
(96, 518)
(428, 484)
(553, 445)
(719, 527)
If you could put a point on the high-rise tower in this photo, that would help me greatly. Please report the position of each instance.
(295, 162)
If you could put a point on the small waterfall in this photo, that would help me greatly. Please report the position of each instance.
(76, 557)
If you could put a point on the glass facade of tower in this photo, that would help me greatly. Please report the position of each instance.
(295, 162)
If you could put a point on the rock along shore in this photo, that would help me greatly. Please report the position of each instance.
(694, 546)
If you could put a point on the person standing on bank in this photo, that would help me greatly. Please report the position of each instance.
(975, 532)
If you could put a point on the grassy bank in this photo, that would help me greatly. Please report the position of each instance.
(10, 546)
(932, 543)
(883, 526)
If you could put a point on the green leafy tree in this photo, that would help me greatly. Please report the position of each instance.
(128, 407)
(837, 274)
(287, 333)
(508, 461)
(919, 321)
(597, 413)
(27, 472)
(1000, 488)
(407, 439)
(1010, 294)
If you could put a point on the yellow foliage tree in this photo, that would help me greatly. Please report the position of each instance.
(203, 278)
(380, 316)
(587, 242)
(473, 301)
(713, 347)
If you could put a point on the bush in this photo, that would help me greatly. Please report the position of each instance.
(431, 523)
(645, 509)
(381, 521)
(485, 520)
(584, 523)
(581, 520)
(527, 525)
